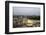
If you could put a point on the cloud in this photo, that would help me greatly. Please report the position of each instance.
(26, 11)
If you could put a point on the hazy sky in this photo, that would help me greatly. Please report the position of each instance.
(26, 11)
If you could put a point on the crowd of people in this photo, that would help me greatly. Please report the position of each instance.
(24, 21)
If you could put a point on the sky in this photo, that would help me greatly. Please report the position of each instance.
(26, 11)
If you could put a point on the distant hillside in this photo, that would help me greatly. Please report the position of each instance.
(29, 17)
